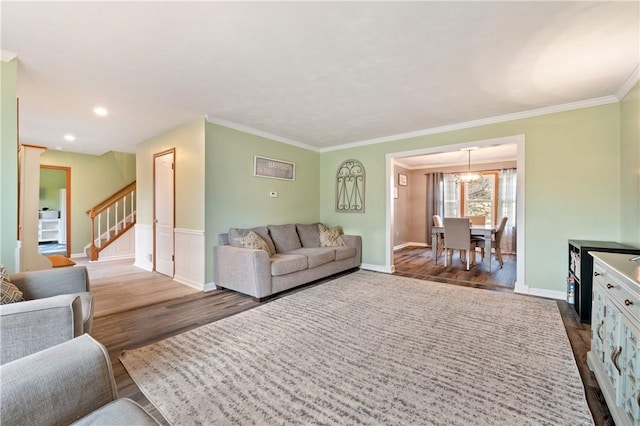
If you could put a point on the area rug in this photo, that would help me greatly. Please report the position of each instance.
(371, 348)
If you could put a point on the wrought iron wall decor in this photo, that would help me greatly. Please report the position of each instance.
(350, 187)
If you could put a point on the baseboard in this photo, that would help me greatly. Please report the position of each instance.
(209, 287)
(187, 282)
(120, 257)
(540, 292)
(147, 266)
(376, 268)
(410, 244)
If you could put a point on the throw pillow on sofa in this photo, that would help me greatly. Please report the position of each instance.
(309, 234)
(9, 293)
(241, 233)
(254, 241)
(330, 237)
(284, 237)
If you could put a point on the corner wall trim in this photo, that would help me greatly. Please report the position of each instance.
(376, 268)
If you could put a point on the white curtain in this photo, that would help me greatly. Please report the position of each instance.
(451, 196)
(507, 208)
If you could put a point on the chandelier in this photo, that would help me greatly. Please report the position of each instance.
(469, 176)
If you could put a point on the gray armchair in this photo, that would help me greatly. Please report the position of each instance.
(58, 306)
(69, 382)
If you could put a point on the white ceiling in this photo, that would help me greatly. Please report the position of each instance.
(321, 74)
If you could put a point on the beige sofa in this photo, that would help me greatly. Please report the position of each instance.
(297, 259)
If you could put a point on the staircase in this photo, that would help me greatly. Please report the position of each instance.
(111, 219)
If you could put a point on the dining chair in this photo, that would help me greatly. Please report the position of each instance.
(495, 243)
(457, 236)
(476, 220)
(437, 221)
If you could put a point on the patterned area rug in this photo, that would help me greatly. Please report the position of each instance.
(371, 348)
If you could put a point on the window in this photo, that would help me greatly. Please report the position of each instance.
(494, 197)
(475, 199)
(480, 198)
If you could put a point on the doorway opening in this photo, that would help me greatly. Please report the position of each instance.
(392, 199)
(54, 211)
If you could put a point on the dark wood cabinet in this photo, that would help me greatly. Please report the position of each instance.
(581, 270)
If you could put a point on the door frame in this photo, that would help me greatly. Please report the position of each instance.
(155, 157)
(519, 140)
(67, 184)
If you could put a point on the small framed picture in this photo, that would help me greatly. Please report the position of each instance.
(395, 192)
(402, 179)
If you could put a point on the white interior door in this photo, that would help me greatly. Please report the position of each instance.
(164, 213)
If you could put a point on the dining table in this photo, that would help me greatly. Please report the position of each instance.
(484, 231)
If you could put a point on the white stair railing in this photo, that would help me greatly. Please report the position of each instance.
(111, 218)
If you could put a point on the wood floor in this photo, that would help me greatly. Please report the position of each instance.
(417, 262)
(118, 286)
(144, 325)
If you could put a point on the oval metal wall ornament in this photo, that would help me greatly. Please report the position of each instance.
(350, 187)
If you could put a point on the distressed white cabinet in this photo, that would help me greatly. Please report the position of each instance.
(615, 342)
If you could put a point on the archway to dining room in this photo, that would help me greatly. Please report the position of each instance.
(409, 220)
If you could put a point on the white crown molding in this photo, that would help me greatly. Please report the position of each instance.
(6, 56)
(482, 122)
(628, 85)
(256, 132)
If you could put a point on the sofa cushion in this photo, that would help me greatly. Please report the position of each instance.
(9, 293)
(254, 241)
(316, 256)
(122, 411)
(282, 264)
(330, 237)
(260, 230)
(285, 237)
(344, 252)
(309, 234)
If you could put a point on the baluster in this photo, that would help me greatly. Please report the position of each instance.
(108, 223)
(99, 230)
(117, 221)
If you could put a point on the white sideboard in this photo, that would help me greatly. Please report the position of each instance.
(615, 334)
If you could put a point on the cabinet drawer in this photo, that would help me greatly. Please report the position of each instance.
(628, 302)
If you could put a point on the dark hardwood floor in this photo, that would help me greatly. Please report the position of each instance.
(142, 326)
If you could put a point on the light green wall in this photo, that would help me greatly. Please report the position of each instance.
(572, 185)
(93, 179)
(630, 167)
(235, 198)
(51, 181)
(8, 165)
(188, 141)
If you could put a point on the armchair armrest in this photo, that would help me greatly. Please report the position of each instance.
(245, 270)
(58, 385)
(34, 325)
(52, 282)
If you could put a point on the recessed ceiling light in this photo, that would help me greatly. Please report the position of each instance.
(101, 111)
(69, 137)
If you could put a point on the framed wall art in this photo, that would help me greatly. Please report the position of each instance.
(274, 169)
